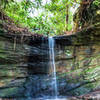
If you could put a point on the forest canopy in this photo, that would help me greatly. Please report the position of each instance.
(47, 17)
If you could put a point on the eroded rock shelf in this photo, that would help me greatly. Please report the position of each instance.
(24, 64)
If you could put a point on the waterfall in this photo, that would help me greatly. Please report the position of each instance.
(52, 65)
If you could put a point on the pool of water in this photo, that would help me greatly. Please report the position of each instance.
(50, 98)
(43, 98)
(57, 99)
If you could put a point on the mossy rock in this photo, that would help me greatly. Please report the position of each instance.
(12, 92)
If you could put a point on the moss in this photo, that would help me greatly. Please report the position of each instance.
(11, 92)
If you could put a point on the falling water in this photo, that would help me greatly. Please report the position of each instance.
(52, 65)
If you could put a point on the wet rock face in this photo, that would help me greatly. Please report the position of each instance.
(39, 86)
(78, 69)
(19, 60)
(25, 68)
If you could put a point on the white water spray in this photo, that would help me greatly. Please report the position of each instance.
(52, 65)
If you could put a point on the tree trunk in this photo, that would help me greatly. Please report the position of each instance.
(67, 16)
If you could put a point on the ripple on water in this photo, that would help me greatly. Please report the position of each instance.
(57, 99)
(41, 99)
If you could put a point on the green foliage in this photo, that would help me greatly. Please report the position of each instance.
(15, 11)
(51, 21)
(41, 25)
(58, 9)
(97, 2)
(4, 3)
